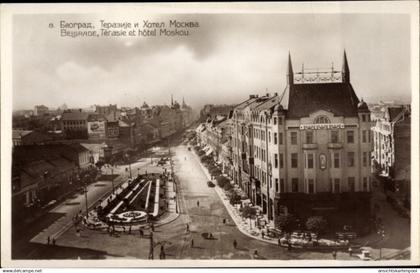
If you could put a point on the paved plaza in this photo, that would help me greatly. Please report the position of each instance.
(200, 207)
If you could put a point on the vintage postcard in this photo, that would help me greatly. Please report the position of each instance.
(210, 134)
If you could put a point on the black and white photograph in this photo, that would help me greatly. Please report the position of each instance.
(218, 134)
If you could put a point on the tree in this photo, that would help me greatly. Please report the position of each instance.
(316, 224)
(235, 198)
(249, 212)
(221, 181)
(286, 222)
(227, 186)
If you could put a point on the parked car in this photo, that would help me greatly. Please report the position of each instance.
(210, 184)
(365, 256)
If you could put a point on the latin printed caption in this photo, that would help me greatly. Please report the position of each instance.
(143, 28)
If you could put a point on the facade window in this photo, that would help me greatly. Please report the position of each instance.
(311, 186)
(364, 136)
(352, 184)
(293, 138)
(280, 121)
(322, 120)
(350, 136)
(280, 138)
(336, 160)
(334, 136)
(275, 138)
(336, 185)
(281, 161)
(276, 161)
(271, 183)
(294, 160)
(310, 161)
(275, 121)
(269, 136)
(277, 184)
(350, 159)
(282, 185)
(364, 118)
(364, 159)
(365, 184)
(295, 185)
(369, 136)
(309, 137)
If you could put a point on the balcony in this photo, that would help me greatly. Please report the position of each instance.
(309, 146)
(335, 145)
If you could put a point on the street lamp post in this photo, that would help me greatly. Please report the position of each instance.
(86, 198)
(381, 233)
(112, 180)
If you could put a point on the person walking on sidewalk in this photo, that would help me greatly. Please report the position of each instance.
(235, 244)
(192, 243)
(48, 240)
(198, 203)
(334, 254)
(279, 242)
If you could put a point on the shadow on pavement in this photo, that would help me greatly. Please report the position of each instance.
(61, 252)
(22, 233)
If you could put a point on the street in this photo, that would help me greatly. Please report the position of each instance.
(200, 208)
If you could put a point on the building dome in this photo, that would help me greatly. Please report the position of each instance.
(278, 107)
(362, 105)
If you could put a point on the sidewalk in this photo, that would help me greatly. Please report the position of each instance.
(70, 207)
(241, 224)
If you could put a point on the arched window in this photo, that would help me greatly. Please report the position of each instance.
(322, 120)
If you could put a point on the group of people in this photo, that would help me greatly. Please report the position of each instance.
(50, 241)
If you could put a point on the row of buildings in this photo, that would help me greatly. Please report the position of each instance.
(52, 159)
(305, 150)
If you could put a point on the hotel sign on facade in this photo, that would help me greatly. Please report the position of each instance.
(323, 126)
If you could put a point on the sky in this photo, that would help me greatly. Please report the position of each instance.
(226, 58)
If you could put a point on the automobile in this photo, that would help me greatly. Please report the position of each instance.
(210, 184)
(365, 256)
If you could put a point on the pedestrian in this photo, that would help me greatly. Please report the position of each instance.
(53, 241)
(350, 251)
(224, 220)
(256, 253)
(153, 227)
(141, 233)
(123, 228)
(129, 230)
(334, 254)
(289, 246)
(188, 227)
(48, 240)
(279, 242)
(262, 234)
(235, 244)
(198, 203)
(192, 243)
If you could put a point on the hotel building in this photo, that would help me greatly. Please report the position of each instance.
(304, 151)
